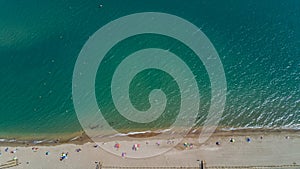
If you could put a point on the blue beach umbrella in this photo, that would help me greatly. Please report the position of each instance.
(248, 139)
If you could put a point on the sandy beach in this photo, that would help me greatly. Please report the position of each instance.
(264, 148)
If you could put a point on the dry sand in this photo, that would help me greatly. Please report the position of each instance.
(273, 149)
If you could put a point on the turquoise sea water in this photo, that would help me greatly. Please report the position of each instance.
(258, 43)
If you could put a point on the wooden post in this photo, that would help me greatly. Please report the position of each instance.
(202, 164)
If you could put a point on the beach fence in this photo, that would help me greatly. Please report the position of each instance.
(9, 164)
(202, 165)
(255, 167)
(210, 167)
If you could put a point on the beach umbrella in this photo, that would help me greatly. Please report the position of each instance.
(117, 145)
(248, 140)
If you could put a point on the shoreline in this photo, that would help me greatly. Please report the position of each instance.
(80, 138)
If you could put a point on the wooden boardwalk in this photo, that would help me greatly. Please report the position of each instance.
(202, 165)
(9, 164)
(210, 167)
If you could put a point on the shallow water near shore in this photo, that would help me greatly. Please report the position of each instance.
(258, 44)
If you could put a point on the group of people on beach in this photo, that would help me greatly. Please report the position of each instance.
(188, 145)
(248, 140)
(63, 156)
(232, 140)
(135, 147)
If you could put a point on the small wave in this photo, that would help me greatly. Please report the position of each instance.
(130, 133)
(288, 127)
(140, 132)
(75, 138)
(240, 128)
(38, 141)
(7, 140)
(2, 140)
(12, 140)
(292, 126)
